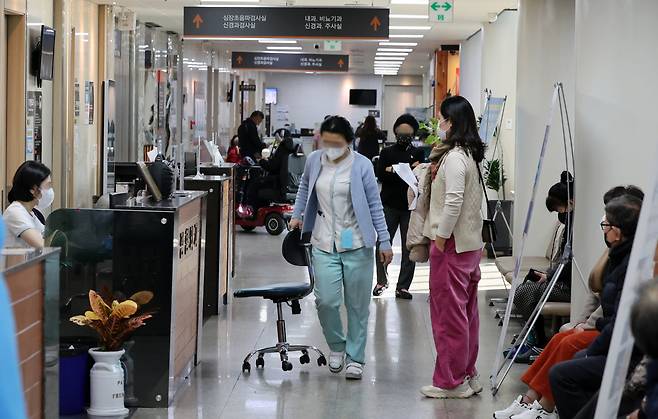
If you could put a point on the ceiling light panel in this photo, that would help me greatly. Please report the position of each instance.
(394, 49)
(285, 48)
(398, 44)
(409, 28)
(392, 54)
(410, 36)
(396, 16)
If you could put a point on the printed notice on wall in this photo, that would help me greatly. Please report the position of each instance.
(89, 103)
(33, 149)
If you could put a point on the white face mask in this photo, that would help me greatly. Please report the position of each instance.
(47, 198)
(334, 153)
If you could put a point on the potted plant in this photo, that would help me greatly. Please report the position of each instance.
(430, 130)
(114, 322)
(495, 179)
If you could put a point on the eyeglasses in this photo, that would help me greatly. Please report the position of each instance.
(604, 225)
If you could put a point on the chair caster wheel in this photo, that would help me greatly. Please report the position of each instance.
(322, 361)
(305, 359)
(246, 367)
(286, 366)
(260, 362)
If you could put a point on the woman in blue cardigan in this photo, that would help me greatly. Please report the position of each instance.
(339, 200)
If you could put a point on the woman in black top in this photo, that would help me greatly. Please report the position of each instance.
(394, 199)
(369, 136)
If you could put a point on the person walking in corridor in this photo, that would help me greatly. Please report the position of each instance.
(339, 200)
(394, 199)
(454, 224)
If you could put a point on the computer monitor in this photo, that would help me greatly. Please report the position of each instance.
(150, 183)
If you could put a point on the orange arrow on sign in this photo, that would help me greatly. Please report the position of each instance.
(341, 63)
(197, 21)
(375, 23)
(239, 59)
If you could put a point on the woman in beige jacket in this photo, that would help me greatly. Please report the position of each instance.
(454, 225)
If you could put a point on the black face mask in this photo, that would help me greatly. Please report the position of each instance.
(563, 217)
(605, 239)
(404, 139)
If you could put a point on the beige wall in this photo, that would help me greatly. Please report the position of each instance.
(616, 91)
(545, 56)
(499, 69)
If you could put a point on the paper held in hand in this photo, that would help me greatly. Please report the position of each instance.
(404, 171)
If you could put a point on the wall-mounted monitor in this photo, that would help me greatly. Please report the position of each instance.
(363, 97)
(42, 55)
(270, 95)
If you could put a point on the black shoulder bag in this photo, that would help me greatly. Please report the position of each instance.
(488, 224)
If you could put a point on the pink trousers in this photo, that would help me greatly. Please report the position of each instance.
(454, 281)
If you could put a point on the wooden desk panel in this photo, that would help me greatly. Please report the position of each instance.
(26, 292)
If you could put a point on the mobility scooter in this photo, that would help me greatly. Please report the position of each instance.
(266, 192)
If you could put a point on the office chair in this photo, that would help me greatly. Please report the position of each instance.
(290, 294)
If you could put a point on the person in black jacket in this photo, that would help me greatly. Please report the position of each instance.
(645, 330)
(269, 187)
(394, 199)
(248, 139)
(560, 200)
(575, 382)
(369, 137)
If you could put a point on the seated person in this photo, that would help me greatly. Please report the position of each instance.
(538, 400)
(263, 190)
(233, 153)
(31, 191)
(645, 330)
(575, 382)
(529, 293)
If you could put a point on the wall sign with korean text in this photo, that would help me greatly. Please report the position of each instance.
(290, 62)
(286, 22)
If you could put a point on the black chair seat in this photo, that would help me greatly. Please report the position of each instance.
(277, 292)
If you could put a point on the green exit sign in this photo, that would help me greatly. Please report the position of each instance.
(441, 11)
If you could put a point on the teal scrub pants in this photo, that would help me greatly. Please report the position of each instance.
(350, 274)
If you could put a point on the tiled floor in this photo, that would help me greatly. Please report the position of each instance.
(400, 356)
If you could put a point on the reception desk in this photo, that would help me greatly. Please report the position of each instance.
(32, 278)
(219, 239)
(158, 247)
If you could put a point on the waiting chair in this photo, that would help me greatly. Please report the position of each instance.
(290, 294)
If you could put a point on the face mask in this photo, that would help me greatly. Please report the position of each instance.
(47, 198)
(334, 153)
(442, 134)
(607, 242)
(404, 139)
(562, 217)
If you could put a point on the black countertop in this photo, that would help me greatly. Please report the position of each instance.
(180, 199)
(14, 259)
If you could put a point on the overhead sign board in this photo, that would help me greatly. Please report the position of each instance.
(441, 11)
(248, 87)
(286, 22)
(289, 62)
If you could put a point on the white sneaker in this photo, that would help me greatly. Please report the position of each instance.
(475, 384)
(354, 371)
(336, 361)
(517, 407)
(462, 391)
(536, 412)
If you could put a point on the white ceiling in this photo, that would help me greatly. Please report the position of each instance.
(469, 15)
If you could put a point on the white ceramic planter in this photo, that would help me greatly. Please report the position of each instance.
(107, 387)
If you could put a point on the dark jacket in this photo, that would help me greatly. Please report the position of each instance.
(394, 189)
(279, 159)
(613, 284)
(369, 143)
(650, 409)
(248, 139)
